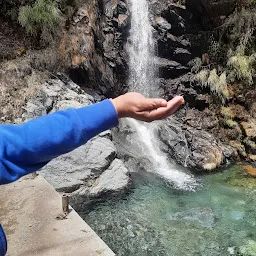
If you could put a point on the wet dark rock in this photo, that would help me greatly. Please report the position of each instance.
(228, 152)
(157, 7)
(162, 24)
(168, 44)
(206, 152)
(199, 43)
(250, 146)
(182, 56)
(176, 16)
(240, 99)
(170, 69)
(210, 12)
(194, 148)
(250, 102)
(204, 120)
(186, 86)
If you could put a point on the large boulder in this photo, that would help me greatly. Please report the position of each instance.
(92, 167)
(113, 180)
(169, 68)
(190, 147)
(69, 172)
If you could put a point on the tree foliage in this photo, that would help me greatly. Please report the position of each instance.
(40, 20)
(241, 58)
(233, 54)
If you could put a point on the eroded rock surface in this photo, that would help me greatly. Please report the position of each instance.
(191, 147)
(90, 170)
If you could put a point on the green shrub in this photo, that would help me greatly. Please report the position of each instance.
(242, 67)
(227, 112)
(202, 77)
(239, 27)
(213, 80)
(42, 20)
(217, 84)
(10, 8)
(231, 123)
(237, 55)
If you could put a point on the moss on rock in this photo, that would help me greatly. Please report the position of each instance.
(243, 177)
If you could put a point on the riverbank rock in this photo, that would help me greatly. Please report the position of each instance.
(91, 169)
(190, 147)
(170, 69)
(111, 182)
(249, 128)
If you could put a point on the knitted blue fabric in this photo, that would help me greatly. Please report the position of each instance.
(3, 242)
(28, 147)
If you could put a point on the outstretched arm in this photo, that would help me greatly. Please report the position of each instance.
(27, 147)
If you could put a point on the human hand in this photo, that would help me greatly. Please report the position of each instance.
(136, 106)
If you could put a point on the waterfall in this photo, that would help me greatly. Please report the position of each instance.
(142, 79)
(141, 50)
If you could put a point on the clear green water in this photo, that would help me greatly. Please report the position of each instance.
(154, 219)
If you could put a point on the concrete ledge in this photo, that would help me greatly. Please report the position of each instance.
(28, 212)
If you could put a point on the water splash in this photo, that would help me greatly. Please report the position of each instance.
(142, 79)
(161, 165)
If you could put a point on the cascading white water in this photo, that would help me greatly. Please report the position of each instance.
(141, 50)
(142, 79)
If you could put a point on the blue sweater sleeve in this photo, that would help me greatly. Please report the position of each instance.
(27, 147)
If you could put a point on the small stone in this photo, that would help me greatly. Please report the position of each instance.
(239, 147)
(162, 23)
(237, 215)
(99, 251)
(252, 157)
(231, 250)
(250, 170)
(249, 128)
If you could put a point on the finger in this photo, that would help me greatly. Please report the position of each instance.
(175, 103)
(150, 104)
(164, 112)
(176, 100)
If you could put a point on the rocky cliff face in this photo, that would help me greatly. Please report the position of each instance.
(198, 136)
(95, 41)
